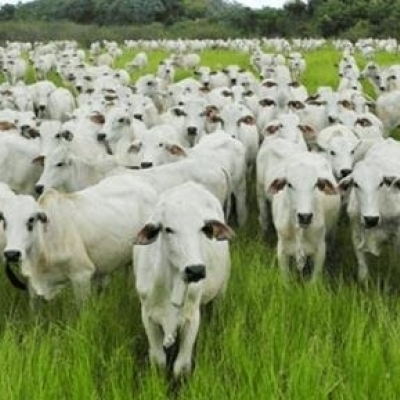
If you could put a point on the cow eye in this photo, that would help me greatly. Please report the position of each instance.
(290, 185)
(208, 230)
(30, 223)
(60, 164)
(169, 230)
(332, 153)
(352, 152)
(355, 184)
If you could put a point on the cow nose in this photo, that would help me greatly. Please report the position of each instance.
(79, 89)
(147, 164)
(233, 81)
(195, 273)
(12, 255)
(304, 219)
(101, 137)
(371, 222)
(192, 131)
(331, 119)
(138, 117)
(39, 189)
(42, 107)
(345, 172)
(382, 88)
(206, 84)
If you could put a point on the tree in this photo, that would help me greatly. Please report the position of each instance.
(7, 12)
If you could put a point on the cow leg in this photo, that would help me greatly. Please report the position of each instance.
(35, 301)
(155, 339)
(183, 363)
(81, 283)
(241, 207)
(362, 266)
(266, 218)
(319, 259)
(283, 259)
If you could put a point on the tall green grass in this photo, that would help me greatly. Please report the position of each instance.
(333, 340)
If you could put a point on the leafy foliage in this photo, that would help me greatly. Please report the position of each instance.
(327, 18)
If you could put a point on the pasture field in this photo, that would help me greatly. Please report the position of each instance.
(265, 340)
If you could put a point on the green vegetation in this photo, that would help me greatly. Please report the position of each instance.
(264, 340)
(216, 18)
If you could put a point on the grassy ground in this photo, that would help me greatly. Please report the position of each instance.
(265, 340)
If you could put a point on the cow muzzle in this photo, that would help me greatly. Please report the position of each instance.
(39, 189)
(304, 219)
(12, 256)
(194, 273)
(145, 164)
(192, 131)
(371, 222)
(345, 172)
(101, 137)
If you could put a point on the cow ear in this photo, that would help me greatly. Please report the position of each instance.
(39, 160)
(272, 128)
(148, 234)
(345, 184)
(214, 229)
(308, 132)
(326, 186)
(391, 181)
(98, 118)
(42, 217)
(176, 150)
(388, 180)
(277, 185)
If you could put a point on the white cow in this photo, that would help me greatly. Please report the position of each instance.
(60, 104)
(388, 110)
(14, 69)
(67, 172)
(181, 260)
(239, 122)
(140, 61)
(373, 205)
(339, 144)
(56, 239)
(119, 130)
(273, 155)
(40, 91)
(305, 209)
(16, 167)
(211, 175)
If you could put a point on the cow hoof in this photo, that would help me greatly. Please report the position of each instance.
(158, 359)
(182, 368)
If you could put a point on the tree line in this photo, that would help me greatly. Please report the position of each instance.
(326, 18)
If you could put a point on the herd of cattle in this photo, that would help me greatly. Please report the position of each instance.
(103, 173)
